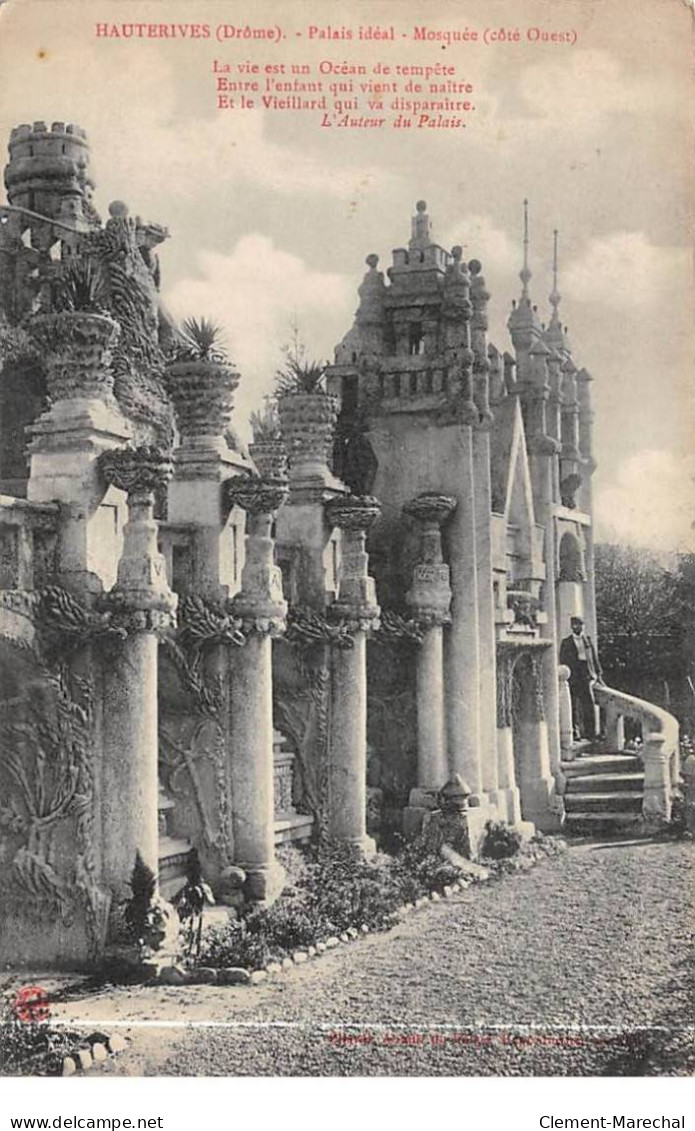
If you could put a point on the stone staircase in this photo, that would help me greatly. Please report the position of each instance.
(173, 851)
(290, 826)
(604, 792)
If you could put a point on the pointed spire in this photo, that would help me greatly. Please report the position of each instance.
(523, 320)
(525, 273)
(555, 295)
(555, 335)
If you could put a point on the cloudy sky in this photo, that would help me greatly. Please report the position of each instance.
(271, 217)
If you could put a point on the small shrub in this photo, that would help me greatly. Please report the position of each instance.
(190, 903)
(500, 842)
(32, 1048)
(148, 919)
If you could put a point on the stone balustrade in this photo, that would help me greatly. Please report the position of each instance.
(28, 537)
(659, 752)
(283, 778)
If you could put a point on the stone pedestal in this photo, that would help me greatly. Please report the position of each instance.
(357, 607)
(508, 791)
(203, 396)
(262, 609)
(657, 779)
(143, 604)
(565, 707)
(82, 422)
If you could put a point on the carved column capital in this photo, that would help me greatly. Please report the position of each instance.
(430, 593)
(256, 496)
(354, 515)
(260, 605)
(141, 596)
(431, 509)
(137, 471)
(353, 512)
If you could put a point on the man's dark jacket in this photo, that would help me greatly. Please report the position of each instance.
(570, 657)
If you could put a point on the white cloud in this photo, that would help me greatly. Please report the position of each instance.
(256, 293)
(580, 89)
(482, 239)
(625, 271)
(650, 503)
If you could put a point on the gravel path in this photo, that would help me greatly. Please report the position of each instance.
(582, 966)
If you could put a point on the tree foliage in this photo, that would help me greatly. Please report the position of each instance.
(645, 605)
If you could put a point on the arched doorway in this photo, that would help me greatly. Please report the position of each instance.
(570, 581)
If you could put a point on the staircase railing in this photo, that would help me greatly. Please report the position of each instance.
(659, 751)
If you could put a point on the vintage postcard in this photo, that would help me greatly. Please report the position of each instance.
(347, 543)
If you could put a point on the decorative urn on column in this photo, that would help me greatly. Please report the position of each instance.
(201, 382)
(307, 419)
(268, 448)
(76, 337)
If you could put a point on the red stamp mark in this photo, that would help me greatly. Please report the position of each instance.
(31, 1004)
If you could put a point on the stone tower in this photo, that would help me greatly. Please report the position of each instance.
(412, 377)
(48, 171)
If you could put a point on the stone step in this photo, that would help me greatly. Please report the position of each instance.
(592, 824)
(293, 827)
(173, 857)
(614, 802)
(602, 764)
(602, 783)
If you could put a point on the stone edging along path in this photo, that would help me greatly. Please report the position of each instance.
(176, 975)
(83, 1059)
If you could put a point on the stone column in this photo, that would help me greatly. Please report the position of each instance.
(430, 599)
(262, 609)
(462, 639)
(203, 397)
(144, 605)
(67, 440)
(539, 802)
(483, 538)
(356, 606)
(586, 429)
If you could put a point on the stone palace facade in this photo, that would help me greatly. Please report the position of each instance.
(228, 649)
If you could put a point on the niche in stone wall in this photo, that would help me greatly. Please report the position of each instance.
(22, 399)
(391, 733)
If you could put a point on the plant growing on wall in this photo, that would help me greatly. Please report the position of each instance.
(16, 345)
(81, 288)
(265, 423)
(299, 374)
(200, 339)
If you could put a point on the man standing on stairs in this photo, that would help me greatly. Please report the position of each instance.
(577, 651)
